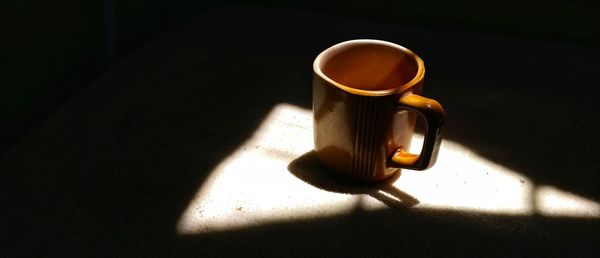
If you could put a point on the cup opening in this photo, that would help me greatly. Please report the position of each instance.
(369, 65)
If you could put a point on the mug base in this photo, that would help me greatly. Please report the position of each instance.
(392, 176)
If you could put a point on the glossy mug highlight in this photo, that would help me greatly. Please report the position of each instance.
(366, 98)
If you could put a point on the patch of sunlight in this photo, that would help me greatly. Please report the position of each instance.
(253, 186)
(555, 202)
(462, 180)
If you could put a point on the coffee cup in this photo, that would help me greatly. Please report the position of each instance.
(366, 101)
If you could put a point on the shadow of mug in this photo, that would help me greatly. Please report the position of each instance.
(309, 169)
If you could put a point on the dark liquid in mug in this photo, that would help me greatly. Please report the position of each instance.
(370, 67)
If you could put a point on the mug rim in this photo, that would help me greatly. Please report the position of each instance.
(417, 78)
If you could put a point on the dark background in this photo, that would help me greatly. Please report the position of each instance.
(50, 50)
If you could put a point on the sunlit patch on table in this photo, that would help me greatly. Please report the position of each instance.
(550, 201)
(254, 186)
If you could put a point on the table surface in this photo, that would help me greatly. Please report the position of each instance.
(200, 144)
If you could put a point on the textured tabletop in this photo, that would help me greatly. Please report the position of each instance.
(200, 144)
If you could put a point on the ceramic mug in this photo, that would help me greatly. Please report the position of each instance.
(366, 99)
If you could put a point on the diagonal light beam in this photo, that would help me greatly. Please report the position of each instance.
(253, 186)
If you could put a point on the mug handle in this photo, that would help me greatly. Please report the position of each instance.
(433, 114)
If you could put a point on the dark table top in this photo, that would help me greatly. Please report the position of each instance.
(114, 171)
